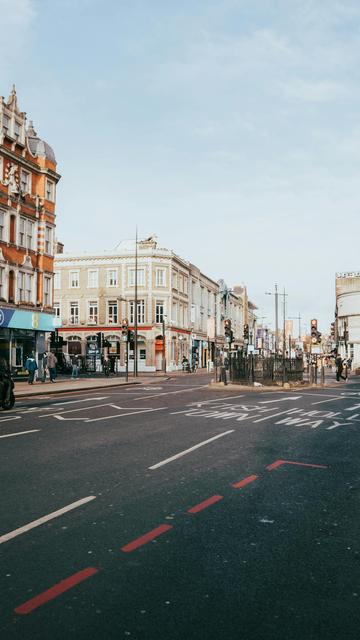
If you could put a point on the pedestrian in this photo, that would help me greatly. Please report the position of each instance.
(339, 369)
(51, 363)
(31, 367)
(75, 368)
(44, 367)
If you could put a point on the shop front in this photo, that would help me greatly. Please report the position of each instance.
(21, 333)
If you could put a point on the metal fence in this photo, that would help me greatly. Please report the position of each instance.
(247, 369)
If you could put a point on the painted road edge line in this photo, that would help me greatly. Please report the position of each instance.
(147, 537)
(205, 504)
(40, 521)
(244, 482)
(55, 591)
(19, 433)
(184, 453)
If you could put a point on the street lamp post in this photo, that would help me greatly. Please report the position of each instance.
(164, 342)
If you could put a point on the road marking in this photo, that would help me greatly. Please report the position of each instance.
(55, 591)
(279, 463)
(205, 504)
(329, 400)
(19, 433)
(244, 482)
(198, 404)
(280, 400)
(184, 453)
(274, 415)
(43, 519)
(95, 406)
(58, 404)
(147, 537)
(8, 419)
(122, 415)
(169, 393)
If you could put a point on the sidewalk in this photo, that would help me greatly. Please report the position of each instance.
(67, 385)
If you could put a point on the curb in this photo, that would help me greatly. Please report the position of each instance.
(44, 392)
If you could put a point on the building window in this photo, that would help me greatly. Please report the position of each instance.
(22, 228)
(112, 278)
(2, 281)
(74, 280)
(93, 312)
(6, 123)
(93, 278)
(24, 287)
(25, 181)
(2, 225)
(174, 280)
(181, 282)
(140, 311)
(29, 234)
(48, 240)
(57, 280)
(112, 312)
(140, 277)
(174, 312)
(74, 313)
(160, 277)
(17, 130)
(47, 291)
(57, 309)
(159, 311)
(50, 191)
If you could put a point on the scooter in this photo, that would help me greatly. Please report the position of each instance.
(7, 396)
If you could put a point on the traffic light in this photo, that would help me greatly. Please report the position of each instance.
(131, 339)
(332, 331)
(124, 328)
(227, 330)
(314, 331)
(246, 332)
(319, 337)
(99, 339)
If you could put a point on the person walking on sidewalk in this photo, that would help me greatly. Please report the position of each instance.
(51, 363)
(75, 368)
(44, 367)
(31, 367)
(339, 369)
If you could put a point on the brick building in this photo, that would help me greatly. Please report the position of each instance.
(28, 179)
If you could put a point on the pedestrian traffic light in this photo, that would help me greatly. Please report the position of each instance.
(246, 331)
(314, 331)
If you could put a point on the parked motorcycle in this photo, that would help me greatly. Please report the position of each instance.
(7, 396)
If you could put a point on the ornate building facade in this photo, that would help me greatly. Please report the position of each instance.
(347, 288)
(177, 304)
(28, 179)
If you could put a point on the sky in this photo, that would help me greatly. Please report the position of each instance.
(228, 128)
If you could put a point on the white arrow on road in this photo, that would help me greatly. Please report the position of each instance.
(280, 400)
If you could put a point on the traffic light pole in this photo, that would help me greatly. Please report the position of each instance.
(127, 359)
(136, 308)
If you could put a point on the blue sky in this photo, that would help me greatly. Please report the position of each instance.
(229, 128)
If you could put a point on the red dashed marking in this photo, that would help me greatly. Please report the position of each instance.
(206, 503)
(244, 482)
(147, 537)
(55, 591)
(278, 463)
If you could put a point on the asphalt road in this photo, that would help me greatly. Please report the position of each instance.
(174, 511)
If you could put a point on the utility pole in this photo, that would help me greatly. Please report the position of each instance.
(215, 336)
(276, 294)
(284, 337)
(136, 307)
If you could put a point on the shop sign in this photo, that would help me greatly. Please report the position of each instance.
(20, 319)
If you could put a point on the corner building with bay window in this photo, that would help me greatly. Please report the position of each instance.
(28, 179)
(177, 309)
